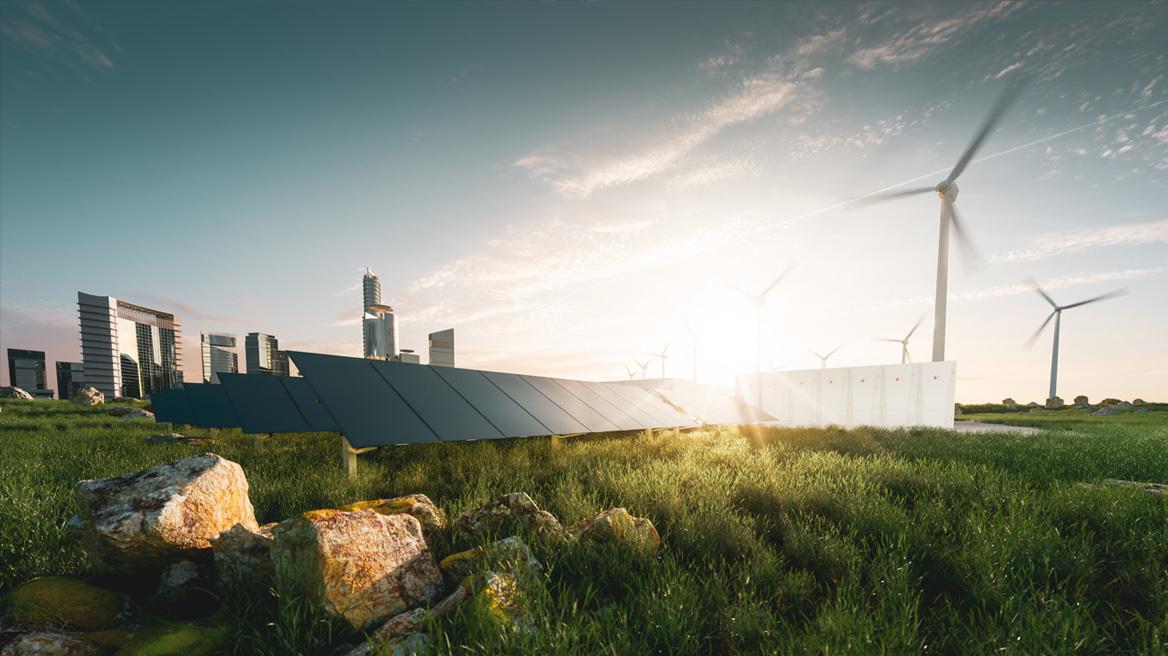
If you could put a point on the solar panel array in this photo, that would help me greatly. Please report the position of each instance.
(209, 402)
(715, 408)
(172, 406)
(275, 404)
(380, 403)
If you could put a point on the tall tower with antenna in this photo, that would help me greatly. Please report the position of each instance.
(378, 321)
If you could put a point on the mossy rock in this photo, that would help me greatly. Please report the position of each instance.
(171, 639)
(64, 600)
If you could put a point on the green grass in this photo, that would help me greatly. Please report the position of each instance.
(779, 540)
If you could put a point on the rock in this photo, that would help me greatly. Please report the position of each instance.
(495, 597)
(1104, 411)
(33, 643)
(957, 409)
(1035, 409)
(1123, 404)
(64, 600)
(138, 414)
(1138, 401)
(1054, 403)
(243, 557)
(617, 525)
(417, 505)
(175, 639)
(1109, 401)
(509, 555)
(176, 438)
(1142, 410)
(1009, 401)
(119, 410)
(87, 396)
(159, 515)
(410, 645)
(363, 566)
(14, 393)
(508, 513)
(1081, 400)
(125, 399)
(183, 589)
(409, 622)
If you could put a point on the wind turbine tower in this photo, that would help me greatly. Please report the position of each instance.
(759, 301)
(1057, 315)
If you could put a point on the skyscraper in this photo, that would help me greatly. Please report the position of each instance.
(378, 323)
(128, 350)
(264, 355)
(70, 378)
(26, 370)
(219, 356)
(442, 348)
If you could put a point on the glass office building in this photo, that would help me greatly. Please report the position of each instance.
(26, 370)
(263, 355)
(442, 348)
(127, 349)
(379, 325)
(70, 378)
(219, 356)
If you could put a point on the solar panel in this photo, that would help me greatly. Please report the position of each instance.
(365, 407)
(619, 418)
(161, 407)
(593, 421)
(666, 416)
(211, 407)
(444, 410)
(501, 410)
(305, 398)
(715, 408)
(262, 404)
(180, 407)
(555, 418)
(643, 419)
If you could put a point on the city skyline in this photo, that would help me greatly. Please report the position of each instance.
(565, 206)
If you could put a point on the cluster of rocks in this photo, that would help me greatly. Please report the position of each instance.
(188, 526)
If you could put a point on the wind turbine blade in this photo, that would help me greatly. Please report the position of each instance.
(914, 328)
(1118, 292)
(969, 255)
(1038, 289)
(666, 348)
(889, 195)
(1013, 89)
(815, 354)
(1030, 342)
(885, 339)
(743, 292)
(772, 285)
(689, 328)
(627, 370)
(833, 351)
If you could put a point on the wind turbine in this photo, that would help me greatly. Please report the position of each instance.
(693, 337)
(759, 301)
(662, 356)
(904, 356)
(774, 368)
(632, 374)
(1057, 315)
(823, 358)
(644, 366)
(947, 191)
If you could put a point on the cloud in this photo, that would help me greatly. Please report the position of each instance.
(925, 38)
(39, 313)
(55, 41)
(1055, 244)
(185, 310)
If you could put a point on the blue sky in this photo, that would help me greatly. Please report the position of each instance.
(563, 184)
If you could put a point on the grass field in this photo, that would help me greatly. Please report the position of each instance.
(782, 540)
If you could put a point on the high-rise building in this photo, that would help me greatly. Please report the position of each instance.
(70, 378)
(378, 322)
(26, 370)
(442, 348)
(128, 350)
(219, 356)
(264, 355)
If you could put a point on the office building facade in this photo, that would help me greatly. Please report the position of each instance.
(263, 355)
(70, 378)
(26, 370)
(379, 325)
(442, 348)
(219, 356)
(127, 349)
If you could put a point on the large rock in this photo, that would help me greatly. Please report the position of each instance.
(417, 505)
(1082, 400)
(363, 566)
(509, 555)
(1104, 411)
(160, 515)
(66, 601)
(617, 525)
(1109, 401)
(1138, 401)
(1009, 401)
(508, 513)
(14, 393)
(1123, 404)
(243, 557)
(138, 414)
(34, 643)
(119, 410)
(1054, 403)
(87, 396)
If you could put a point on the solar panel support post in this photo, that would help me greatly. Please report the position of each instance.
(649, 433)
(258, 440)
(212, 431)
(349, 455)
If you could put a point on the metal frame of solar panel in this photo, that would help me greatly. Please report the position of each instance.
(209, 402)
(382, 403)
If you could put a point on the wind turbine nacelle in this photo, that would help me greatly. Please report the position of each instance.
(947, 191)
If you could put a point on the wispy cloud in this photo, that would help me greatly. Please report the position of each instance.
(75, 42)
(40, 313)
(925, 38)
(1055, 244)
(185, 311)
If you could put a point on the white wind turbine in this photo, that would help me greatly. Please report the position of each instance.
(947, 191)
(663, 356)
(823, 358)
(693, 338)
(759, 301)
(644, 366)
(632, 374)
(1057, 315)
(904, 356)
(774, 368)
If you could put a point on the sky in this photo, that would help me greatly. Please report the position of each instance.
(567, 184)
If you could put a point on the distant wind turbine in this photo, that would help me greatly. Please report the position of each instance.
(693, 338)
(1057, 315)
(823, 358)
(759, 301)
(644, 366)
(632, 374)
(663, 356)
(947, 191)
(904, 356)
(774, 368)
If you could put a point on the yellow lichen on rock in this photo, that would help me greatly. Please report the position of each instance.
(617, 525)
(418, 506)
(64, 600)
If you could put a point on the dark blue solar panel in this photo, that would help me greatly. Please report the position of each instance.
(593, 421)
(595, 401)
(639, 417)
(262, 404)
(161, 408)
(209, 402)
(444, 410)
(648, 402)
(366, 408)
(312, 410)
(180, 407)
(501, 410)
(555, 418)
